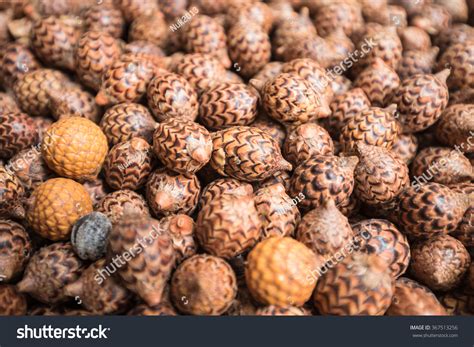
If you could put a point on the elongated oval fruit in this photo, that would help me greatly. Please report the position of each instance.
(15, 249)
(456, 126)
(246, 153)
(271, 127)
(16, 60)
(17, 132)
(459, 57)
(417, 62)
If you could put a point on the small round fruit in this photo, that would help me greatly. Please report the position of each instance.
(89, 236)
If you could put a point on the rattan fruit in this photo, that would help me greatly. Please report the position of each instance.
(339, 14)
(246, 153)
(182, 145)
(439, 262)
(74, 101)
(245, 12)
(430, 209)
(169, 192)
(151, 27)
(97, 295)
(272, 128)
(359, 285)
(172, 8)
(97, 189)
(15, 249)
(89, 236)
(123, 122)
(457, 33)
(465, 230)
(277, 269)
(147, 271)
(132, 9)
(8, 103)
(405, 147)
(17, 132)
(145, 47)
(49, 271)
(95, 53)
(222, 186)
(228, 225)
(12, 303)
(115, 205)
(105, 18)
(413, 299)
(172, 96)
(203, 285)
(181, 229)
(55, 206)
(16, 59)
(414, 39)
(269, 71)
(128, 164)
(305, 141)
(75, 147)
(455, 127)
(321, 178)
(11, 194)
(417, 62)
(433, 19)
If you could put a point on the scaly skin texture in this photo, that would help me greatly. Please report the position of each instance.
(8, 103)
(359, 285)
(147, 272)
(181, 229)
(455, 126)
(228, 225)
(272, 128)
(115, 205)
(100, 297)
(55, 206)
(380, 175)
(325, 230)
(172, 8)
(74, 101)
(15, 249)
(227, 104)
(132, 9)
(332, 16)
(12, 303)
(182, 145)
(245, 12)
(413, 299)
(203, 285)
(439, 262)
(171, 96)
(321, 178)
(273, 310)
(16, 59)
(150, 28)
(381, 237)
(277, 269)
(386, 45)
(95, 53)
(269, 71)
(128, 164)
(465, 230)
(417, 62)
(430, 209)
(123, 122)
(74, 147)
(457, 33)
(105, 18)
(249, 48)
(224, 186)
(246, 153)
(11, 195)
(49, 271)
(54, 40)
(406, 147)
(17, 132)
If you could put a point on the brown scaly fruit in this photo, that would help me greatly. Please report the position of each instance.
(340, 85)
(249, 48)
(245, 12)
(381, 237)
(169, 192)
(227, 104)
(344, 107)
(171, 96)
(55, 206)
(421, 99)
(105, 18)
(182, 145)
(417, 62)
(430, 209)
(180, 227)
(269, 71)
(457, 33)
(147, 272)
(173, 8)
(309, 47)
(98, 295)
(95, 53)
(336, 15)
(413, 299)
(458, 9)
(163, 309)
(74, 147)
(373, 126)
(115, 205)
(8, 103)
(16, 59)
(51, 269)
(150, 28)
(53, 40)
(211, 7)
(203, 285)
(203, 34)
(325, 230)
(291, 100)
(414, 39)
(133, 9)
(228, 225)
(405, 147)
(388, 15)
(222, 186)
(378, 81)
(17, 132)
(465, 230)
(442, 165)
(459, 58)
(144, 47)
(278, 212)
(277, 269)
(128, 164)
(282, 177)
(125, 121)
(340, 45)
(433, 19)
(359, 285)
(97, 190)
(380, 175)
(12, 303)
(11, 194)
(15, 249)
(321, 178)
(305, 141)
(439, 262)
(455, 127)
(272, 128)
(273, 310)
(76, 102)
(246, 153)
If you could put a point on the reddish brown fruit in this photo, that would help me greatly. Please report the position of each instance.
(433, 19)
(11, 194)
(269, 71)
(456, 126)
(133, 9)
(385, 44)
(465, 230)
(8, 103)
(151, 28)
(16, 59)
(97, 190)
(17, 132)
(417, 62)
(247, 12)
(460, 59)
(181, 229)
(457, 33)
(336, 15)
(309, 47)
(15, 249)
(415, 39)
(272, 128)
(105, 18)
(406, 147)
(74, 102)
(221, 186)
(12, 303)
(115, 205)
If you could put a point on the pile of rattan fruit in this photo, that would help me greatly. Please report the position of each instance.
(236, 157)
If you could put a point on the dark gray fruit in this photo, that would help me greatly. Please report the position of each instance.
(89, 236)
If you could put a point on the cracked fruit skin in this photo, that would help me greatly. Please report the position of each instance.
(55, 206)
(75, 147)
